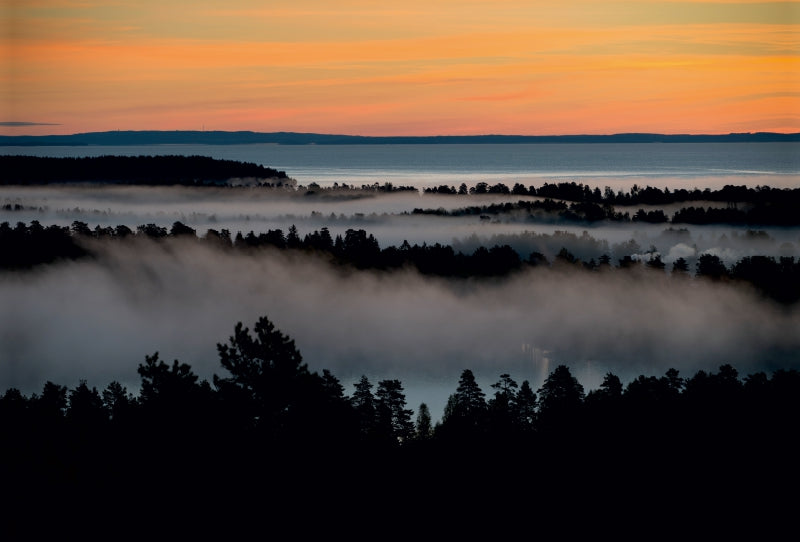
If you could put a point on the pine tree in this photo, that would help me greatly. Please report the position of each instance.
(465, 411)
(269, 383)
(423, 428)
(364, 404)
(560, 397)
(394, 420)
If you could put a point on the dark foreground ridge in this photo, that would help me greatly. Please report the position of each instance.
(152, 137)
(271, 435)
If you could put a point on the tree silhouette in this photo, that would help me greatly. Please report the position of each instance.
(163, 384)
(711, 266)
(86, 407)
(502, 408)
(423, 428)
(172, 400)
(527, 406)
(394, 420)
(293, 238)
(51, 405)
(117, 402)
(268, 383)
(604, 410)
(560, 399)
(363, 402)
(180, 229)
(465, 412)
(680, 267)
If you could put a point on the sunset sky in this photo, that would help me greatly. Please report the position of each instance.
(429, 67)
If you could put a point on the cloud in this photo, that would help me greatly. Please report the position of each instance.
(20, 123)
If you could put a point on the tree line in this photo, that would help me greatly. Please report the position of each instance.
(268, 392)
(268, 417)
(648, 195)
(764, 211)
(203, 170)
(25, 246)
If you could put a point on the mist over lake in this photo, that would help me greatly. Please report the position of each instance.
(97, 319)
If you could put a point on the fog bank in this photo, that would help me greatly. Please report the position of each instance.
(97, 319)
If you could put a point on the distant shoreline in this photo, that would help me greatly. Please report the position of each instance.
(122, 138)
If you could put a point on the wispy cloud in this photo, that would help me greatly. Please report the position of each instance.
(12, 123)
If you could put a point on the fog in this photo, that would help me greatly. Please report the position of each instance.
(389, 217)
(96, 319)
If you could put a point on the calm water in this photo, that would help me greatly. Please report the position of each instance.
(600, 164)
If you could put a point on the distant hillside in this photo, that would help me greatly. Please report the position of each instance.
(142, 170)
(292, 138)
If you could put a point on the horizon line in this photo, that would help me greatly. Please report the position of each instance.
(336, 134)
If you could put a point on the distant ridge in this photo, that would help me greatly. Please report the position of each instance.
(295, 138)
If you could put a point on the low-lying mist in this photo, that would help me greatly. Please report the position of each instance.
(388, 216)
(96, 319)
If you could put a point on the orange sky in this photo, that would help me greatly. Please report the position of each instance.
(404, 68)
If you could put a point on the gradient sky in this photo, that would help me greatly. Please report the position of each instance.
(400, 68)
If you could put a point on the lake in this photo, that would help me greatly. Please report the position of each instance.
(619, 165)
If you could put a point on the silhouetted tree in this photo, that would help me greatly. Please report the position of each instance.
(711, 266)
(604, 408)
(269, 385)
(610, 390)
(81, 229)
(527, 407)
(14, 413)
(560, 400)
(117, 401)
(394, 420)
(180, 229)
(423, 428)
(162, 383)
(502, 408)
(564, 256)
(363, 402)
(293, 238)
(52, 403)
(151, 230)
(122, 231)
(465, 412)
(680, 267)
(655, 262)
(172, 400)
(86, 407)
(333, 387)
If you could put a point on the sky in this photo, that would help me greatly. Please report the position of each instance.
(417, 67)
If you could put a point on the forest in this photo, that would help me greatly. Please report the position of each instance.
(27, 245)
(266, 420)
(672, 441)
